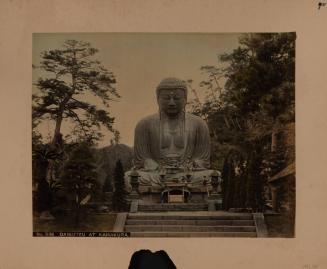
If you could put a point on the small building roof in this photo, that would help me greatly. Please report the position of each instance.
(290, 169)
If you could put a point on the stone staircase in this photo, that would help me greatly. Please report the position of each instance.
(192, 224)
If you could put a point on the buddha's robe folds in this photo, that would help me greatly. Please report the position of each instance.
(153, 144)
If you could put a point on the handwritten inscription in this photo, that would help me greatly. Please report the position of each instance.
(321, 4)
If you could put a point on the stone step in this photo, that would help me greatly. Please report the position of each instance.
(193, 234)
(199, 222)
(174, 207)
(187, 228)
(171, 209)
(194, 224)
(175, 204)
(149, 216)
(180, 207)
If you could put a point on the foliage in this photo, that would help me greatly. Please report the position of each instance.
(260, 82)
(42, 198)
(42, 154)
(249, 98)
(119, 202)
(71, 74)
(107, 186)
(79, 178)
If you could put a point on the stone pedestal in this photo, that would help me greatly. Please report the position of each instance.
(215, 202)
(215, 198)
(134, 206)
(176, 191)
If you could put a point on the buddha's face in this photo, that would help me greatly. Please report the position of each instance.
(171, 101)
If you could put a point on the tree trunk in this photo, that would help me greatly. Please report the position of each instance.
(238, 123)
(226, 122)
(77, 215)
(53, 147)
(56, 135)
(274, 198)
(273, 141)
(233, 122)
(57, 130)
(197, 99)
(216, 80)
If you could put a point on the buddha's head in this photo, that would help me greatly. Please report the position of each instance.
(172, 96)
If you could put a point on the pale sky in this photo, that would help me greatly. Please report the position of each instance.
(139, 62)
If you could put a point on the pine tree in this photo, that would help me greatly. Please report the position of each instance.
(69, 74)
(119, 202)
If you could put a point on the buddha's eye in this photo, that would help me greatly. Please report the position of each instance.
(164, 97)
(168, 97)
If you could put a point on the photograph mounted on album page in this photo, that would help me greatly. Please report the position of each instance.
(192, 143)
(181, 143)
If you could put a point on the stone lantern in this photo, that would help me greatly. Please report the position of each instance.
(215, 182)
(134, 175)
(215, 199)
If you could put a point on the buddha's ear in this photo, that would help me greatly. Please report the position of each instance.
(157, 96)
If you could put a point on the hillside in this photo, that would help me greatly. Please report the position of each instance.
(108, 156)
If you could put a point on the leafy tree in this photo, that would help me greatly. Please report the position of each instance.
(71, 74)
(260, 84)
(42, 154)
(79, 178)
(252, 92)
(119, 202)
(249, 98)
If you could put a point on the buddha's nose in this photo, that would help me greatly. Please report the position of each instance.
(172, 102)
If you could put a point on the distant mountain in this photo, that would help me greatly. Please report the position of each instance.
(108, 156)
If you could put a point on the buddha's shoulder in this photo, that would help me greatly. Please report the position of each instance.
(150, 119)
(195, 119)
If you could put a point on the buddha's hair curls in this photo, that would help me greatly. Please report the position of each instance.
(173, 84)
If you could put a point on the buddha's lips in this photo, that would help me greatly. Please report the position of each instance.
(172, 110)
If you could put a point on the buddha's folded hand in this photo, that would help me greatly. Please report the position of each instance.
(150, 165)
